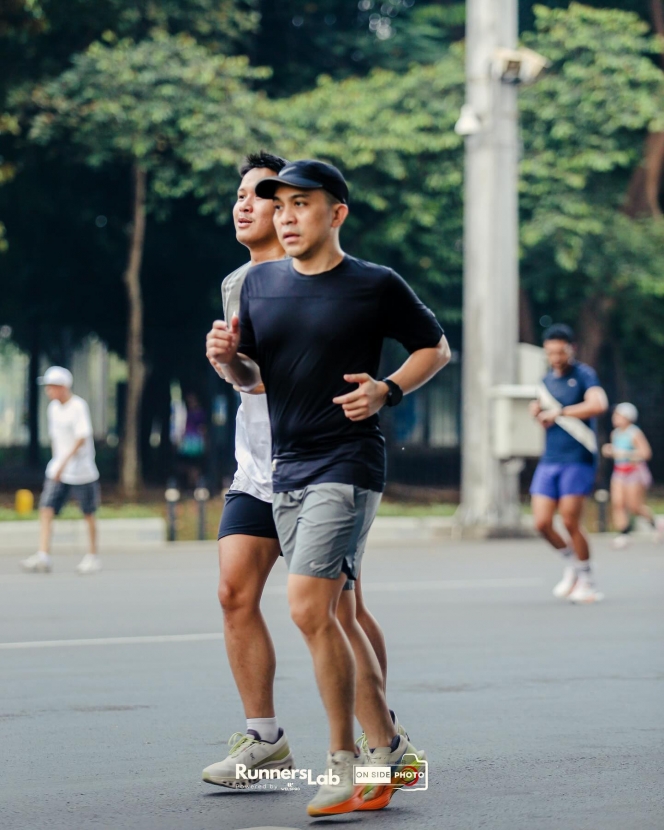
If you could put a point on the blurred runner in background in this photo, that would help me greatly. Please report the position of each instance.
(630, 451)
(570, 399)
(70, 472)
(192, 445)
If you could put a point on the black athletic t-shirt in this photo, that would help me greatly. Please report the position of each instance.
(306, 333)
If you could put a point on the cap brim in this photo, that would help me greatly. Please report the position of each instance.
(266, 188)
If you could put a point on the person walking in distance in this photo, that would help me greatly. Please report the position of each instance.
(631, 478)
(70, 472)
(311, 329)
(570, 399)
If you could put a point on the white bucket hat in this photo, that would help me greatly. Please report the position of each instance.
(56, 376)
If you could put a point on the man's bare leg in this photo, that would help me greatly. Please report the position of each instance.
(46, 515)
(544, 509)
(370, 705)
(245, 563)
(371, 628)
(571, 510)
(92, 531)
(313, 604)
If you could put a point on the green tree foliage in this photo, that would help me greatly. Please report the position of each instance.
(374, 87)
(392, 133)
(583, 125)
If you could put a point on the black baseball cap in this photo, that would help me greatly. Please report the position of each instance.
(308, 174)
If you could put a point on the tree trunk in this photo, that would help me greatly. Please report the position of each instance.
(657, 17)
(526, 322)
(130, 471)
(643, 191)
(645, 185)
(34, 391)
(592, 327)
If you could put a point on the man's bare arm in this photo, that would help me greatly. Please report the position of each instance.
(222, 343)
(593, 404)
(77, 446)
(371, 394)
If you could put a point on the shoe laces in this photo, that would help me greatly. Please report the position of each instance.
(238, 741)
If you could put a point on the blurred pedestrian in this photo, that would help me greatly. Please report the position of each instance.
(570, 399)
(191, 449)
(630, 451)
(70, 472)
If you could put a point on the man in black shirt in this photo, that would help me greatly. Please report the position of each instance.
(311, 329)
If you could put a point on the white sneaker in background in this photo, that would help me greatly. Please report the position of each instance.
(255, 754)
(621, 541)
(90, 564)
(39, 562)
(566, 585)
(658, 535)
(585, 592)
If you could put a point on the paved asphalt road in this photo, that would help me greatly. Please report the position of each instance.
(535, 715)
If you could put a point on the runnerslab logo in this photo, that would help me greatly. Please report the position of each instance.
(410, 775)
(306, 776)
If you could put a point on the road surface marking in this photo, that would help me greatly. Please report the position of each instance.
(116, 641)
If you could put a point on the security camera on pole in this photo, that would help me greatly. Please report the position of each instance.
(489, 120)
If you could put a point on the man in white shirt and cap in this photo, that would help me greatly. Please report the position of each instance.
(70, 472)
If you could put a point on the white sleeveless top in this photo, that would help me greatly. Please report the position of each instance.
(253, 443)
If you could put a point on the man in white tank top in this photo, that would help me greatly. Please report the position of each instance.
(248, 541)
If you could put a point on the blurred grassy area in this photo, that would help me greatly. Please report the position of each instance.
(124, 511)
(187, 513)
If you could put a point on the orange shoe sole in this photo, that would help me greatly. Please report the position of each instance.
(355, 802)
(379, 801)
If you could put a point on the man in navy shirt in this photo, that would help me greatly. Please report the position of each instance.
(570, 400)
(311, 328)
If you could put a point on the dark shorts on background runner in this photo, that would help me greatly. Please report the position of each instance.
(558, 480)
(246, 515)
(56, 494)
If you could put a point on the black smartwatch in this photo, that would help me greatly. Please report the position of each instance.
(394, 392)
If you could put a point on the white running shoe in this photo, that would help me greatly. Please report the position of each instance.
(621, 541)
(255, 754)
(658, 535)
(39, 562)
(344, 796)
(405, 762)
(566, 585)
(585, 592)
(90, 564)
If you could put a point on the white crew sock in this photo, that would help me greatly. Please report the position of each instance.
(583, 571)
(267, 728)
(567, 554)
(43, 555)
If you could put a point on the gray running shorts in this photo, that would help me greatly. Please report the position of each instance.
(323, 529)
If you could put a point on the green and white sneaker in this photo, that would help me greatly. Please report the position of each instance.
(344, 796)
(405, 761)
(255, 754)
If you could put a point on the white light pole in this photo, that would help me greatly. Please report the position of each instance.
(489, 487)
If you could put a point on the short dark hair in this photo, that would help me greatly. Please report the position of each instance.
(558, 331)
(261, 159)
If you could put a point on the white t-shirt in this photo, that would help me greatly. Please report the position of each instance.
(253, 442)
(67, 422)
